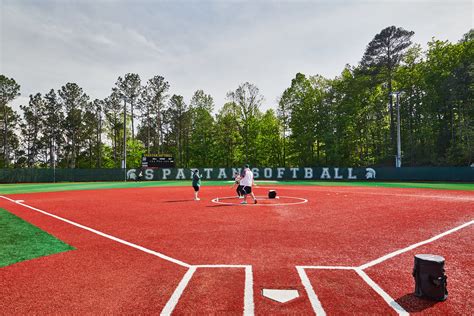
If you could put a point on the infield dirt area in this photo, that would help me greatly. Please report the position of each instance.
(152, 250)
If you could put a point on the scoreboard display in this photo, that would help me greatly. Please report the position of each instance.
(157, 161)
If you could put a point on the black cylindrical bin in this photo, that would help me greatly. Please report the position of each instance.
(430, 280)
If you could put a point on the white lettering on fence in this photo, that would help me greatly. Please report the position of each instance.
(350, 176)
(294, 170)
(325, 174)
(180, 174)
(267, 173)
(255, 171)
(166, 173)
(208, 172)
(280, 172)
(235, 170)
(149, 174)
(222, 174)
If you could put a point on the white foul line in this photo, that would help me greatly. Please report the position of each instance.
(396, 253)
(313, 298)
(387, 298)
(171, 304)
(249, 307)
(160, 255)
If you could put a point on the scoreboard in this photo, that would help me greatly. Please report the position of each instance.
(157, 161)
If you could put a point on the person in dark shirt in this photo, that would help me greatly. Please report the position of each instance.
(196, 184)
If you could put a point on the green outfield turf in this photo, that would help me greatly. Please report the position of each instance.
(21, 241)
(68, 186)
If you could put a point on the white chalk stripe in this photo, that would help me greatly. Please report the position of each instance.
(387, 298)
(398, 252)
(327, 267)
(313, 298)
(174, 299)
(221, 266)
(149, 251)
(249, 307)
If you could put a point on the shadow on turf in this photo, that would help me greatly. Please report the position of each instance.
(413, 304)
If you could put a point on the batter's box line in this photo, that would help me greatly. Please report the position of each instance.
(316, 303)
(249, 306)
(314, 300)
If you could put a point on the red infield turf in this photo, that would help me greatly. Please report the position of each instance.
(206, 257)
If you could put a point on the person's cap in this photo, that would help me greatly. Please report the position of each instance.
(247, 166)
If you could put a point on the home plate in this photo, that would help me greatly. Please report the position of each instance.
(281, 296)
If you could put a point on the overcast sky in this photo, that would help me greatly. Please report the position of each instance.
(208, 45)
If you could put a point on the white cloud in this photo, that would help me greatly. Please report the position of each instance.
(213, 46)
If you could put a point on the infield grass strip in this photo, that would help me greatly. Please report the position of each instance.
(18, 188)
(20, 241)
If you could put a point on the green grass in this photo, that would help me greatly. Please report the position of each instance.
(20, 241)
(68, 186)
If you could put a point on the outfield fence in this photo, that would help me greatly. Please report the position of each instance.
(446, 174)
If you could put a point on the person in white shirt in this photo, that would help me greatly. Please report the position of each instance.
(247, 182)
(237, 178)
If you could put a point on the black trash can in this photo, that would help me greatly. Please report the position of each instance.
(430, 280)
(272, 194)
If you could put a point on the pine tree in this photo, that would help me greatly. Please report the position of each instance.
(53, 122)
(129, 87)
(31, 128)
(152, 104)
(9, 90)
(74, 102)
(383, 54)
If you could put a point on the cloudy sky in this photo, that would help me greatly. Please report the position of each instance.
(209, 45)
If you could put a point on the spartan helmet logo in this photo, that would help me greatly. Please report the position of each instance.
(370, 173)
(131, 174)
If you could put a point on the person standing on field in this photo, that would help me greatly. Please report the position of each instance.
(196, 184)
(247, 182)
(237, 178)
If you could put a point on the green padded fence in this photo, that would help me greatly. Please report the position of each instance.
(461, 174)
(447, 174)
(60, 175)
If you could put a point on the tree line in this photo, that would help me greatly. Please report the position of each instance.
(349, 120)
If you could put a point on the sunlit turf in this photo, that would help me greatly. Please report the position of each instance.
(68, 186)
(20, 241)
